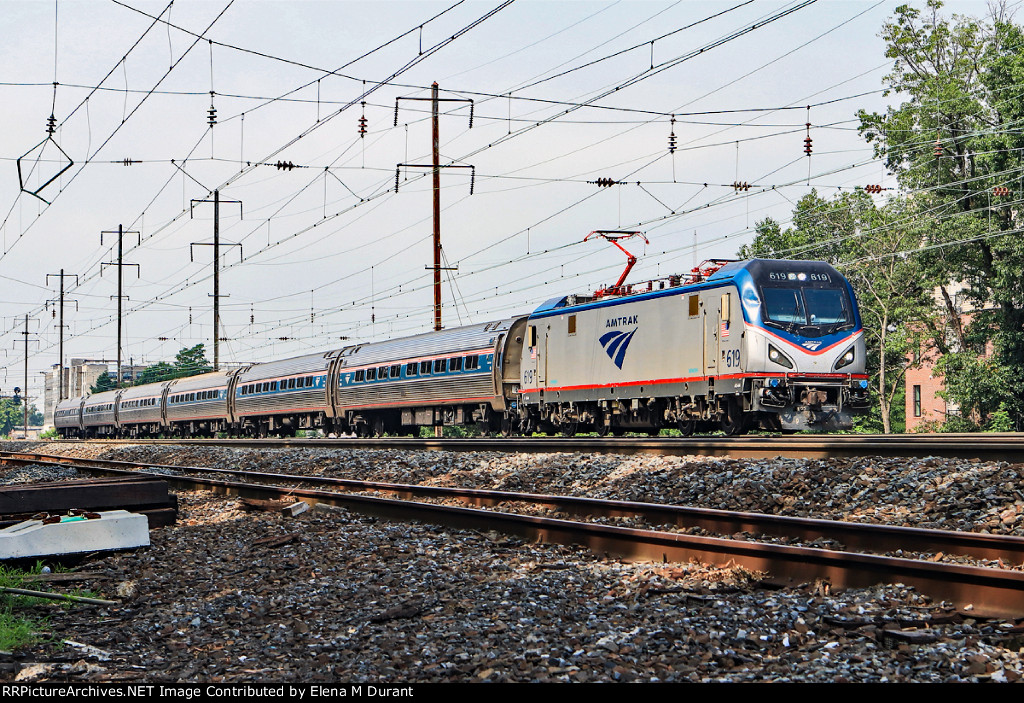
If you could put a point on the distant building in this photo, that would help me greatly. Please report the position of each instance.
(79, 376)
(925, 407)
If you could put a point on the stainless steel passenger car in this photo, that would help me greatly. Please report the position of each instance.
(140, 410)
(197, 406)
(281, 397)
(452, 377)
(67, 417)
(99, 414)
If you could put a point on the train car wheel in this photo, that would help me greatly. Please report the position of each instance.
(687, 427)
(569, 428)
(507, 426)
(733, 423)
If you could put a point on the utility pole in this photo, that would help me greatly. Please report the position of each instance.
(120, 282)
(436, 170)
(24, 397)
(60, 326)
(216, 267)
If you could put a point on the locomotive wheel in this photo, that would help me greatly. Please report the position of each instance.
(733, 423)
(507, 426)
(687, 427)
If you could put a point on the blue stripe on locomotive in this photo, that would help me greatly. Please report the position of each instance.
(733, 275)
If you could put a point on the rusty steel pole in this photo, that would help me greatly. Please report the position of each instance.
(437, 205)
(216, 280)
(24, 397)
(60, 346)
(120, 295)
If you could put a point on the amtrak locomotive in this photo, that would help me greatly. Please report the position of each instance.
(768, 344)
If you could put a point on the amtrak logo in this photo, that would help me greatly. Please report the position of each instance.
(811, 345)
(615, 344)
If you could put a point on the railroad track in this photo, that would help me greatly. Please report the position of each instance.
(988, 446)
(985, 590)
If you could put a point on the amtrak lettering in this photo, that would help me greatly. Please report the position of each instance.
(622, 321)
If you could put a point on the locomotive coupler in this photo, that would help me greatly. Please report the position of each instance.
(814, 398)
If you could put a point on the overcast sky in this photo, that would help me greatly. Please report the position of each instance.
(563, 93)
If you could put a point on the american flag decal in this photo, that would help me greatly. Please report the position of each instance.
(725, 329)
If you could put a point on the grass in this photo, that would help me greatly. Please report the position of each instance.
(17, 630)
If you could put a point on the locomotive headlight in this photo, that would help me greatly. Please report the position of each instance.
(778, 357)
(846, 359)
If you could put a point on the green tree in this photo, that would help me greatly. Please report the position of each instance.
(12, 416)
(955, 138)
(105, 382)
(192, 361)
(161, 371)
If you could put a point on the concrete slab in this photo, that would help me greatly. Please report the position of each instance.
(114, 529)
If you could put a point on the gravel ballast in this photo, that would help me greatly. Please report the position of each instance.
(340, 597)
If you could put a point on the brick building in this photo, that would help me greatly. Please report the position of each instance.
(925, 408)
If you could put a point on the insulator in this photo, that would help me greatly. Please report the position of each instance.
(672, 143)
(129, 162)
(398, 171)
(873, 189)
(284, 165)
(938, 148)
(472, 180)
(211, 116)
(53, 314)
(741, 185)
(51, 124)
(396, 113)
(606, 182)
(362, 127)
(807, 146)
(1000, 190)
(471, 114)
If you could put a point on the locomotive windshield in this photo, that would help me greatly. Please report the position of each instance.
(806, 306)
(805, 301)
